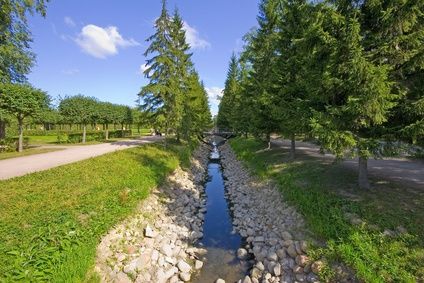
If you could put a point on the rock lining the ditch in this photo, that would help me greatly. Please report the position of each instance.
(156, 244)
(275, 233)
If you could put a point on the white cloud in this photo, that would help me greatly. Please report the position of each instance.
(69, 22)
(70, 72)
(102, 42)
(214, 95)
(193, 38)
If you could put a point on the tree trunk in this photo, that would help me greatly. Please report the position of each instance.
(84, 133)
(245, 135)
(138, 128)
(268, 140)
(107, 132)
(293, 146)
(2, 129)
(21, 135)
(363, 173)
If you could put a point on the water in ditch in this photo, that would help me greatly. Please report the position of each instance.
(218, 237)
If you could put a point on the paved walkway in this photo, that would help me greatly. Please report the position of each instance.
(401, 170)
(20, 166)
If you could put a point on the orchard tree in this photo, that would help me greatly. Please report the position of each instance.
(48, 118)
(79, 109)
(16, 58)
(106, 117)
(22, 101)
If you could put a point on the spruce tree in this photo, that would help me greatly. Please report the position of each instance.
(261, 55)
(393, 33)
(159, 96)
(355, 94)
(183, 67)
(291, 101)
(226, 115)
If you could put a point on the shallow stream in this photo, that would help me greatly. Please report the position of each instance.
(218, 237)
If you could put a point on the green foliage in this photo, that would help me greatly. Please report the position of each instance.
(347, 74)
(226, 119)
(78, 109)
(50, 226)
(375, 258)
(174, 99)
(22, 101)
(16, 59)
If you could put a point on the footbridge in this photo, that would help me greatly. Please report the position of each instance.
(218, 136)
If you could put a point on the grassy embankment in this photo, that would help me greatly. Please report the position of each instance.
(325, 193)
(51, 221)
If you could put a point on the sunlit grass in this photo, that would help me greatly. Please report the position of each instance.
(318, 187)
(52, 221)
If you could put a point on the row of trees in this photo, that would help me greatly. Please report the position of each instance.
(23, 102)
(174, 99)
(348, 73)
(85, 110)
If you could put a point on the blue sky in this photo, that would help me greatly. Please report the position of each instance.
(96, 47)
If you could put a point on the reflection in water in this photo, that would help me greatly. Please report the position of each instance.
(221, 259)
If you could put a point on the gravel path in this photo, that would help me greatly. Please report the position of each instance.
(20, 166)
(400, 170)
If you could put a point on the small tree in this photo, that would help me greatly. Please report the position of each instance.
(79, 109)
(106, 116)
(22, 101)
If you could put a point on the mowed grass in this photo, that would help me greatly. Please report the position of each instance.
(30, 151)
(324, 192)
(52, 221)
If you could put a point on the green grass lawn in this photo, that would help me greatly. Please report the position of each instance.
(324, 192)
(30, 151)
(52, 221)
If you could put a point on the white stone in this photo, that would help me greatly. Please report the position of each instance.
(198, 264)
(183, 266)
(184, 276)
(148, 232)
(167, 250)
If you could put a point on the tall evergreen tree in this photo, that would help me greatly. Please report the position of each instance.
(355, 94)
(261, 54)
(174, 95)
(158, 96)
(393, 33)
(183, 68)
(291, 102)
(226, 114)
